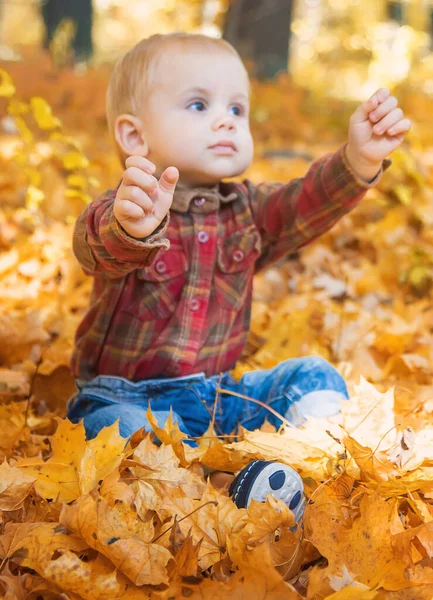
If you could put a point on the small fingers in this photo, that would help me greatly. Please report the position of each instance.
(137, 177)
(383, 109)
(399, 128)
(167, 185)
(141, 163)
(363, 111)
(388, 121)
(132, 203)
(376, 99)
(137, 196)
(128, 211)
(169, 179)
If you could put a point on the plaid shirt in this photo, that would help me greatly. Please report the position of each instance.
(179, 301)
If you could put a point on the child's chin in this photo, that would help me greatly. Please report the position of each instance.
(224, 174)
(215, 175)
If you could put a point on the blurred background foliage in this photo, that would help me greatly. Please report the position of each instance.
(369, 42)
(333, 52)
(311, 61)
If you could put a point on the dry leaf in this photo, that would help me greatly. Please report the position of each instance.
(76, 465)
(125, 542)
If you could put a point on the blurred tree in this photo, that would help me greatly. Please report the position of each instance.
(260, 31)
(395, 11)
(79, 13)
(415, 13)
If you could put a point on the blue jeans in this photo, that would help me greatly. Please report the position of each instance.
(295, 389)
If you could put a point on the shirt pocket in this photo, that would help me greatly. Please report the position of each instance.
(159, 286)
(236, 256)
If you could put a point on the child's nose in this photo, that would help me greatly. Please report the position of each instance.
(224, 121)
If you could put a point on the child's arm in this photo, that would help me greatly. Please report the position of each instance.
(292, 215)
(124, 229)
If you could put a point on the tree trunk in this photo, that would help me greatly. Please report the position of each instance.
(81, 13)
(260, 31)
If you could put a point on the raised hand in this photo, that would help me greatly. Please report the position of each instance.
(376, 128)
(142, 201)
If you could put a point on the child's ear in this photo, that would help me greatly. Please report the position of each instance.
(128, 132)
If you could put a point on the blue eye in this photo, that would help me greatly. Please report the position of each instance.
(197, 106)
(236, 110)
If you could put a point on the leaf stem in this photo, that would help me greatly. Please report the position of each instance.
(214, 502)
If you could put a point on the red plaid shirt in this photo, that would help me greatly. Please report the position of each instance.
(179, 301)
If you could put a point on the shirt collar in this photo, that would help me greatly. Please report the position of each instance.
(203, 199)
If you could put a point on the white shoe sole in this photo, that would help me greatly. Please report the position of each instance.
(260, 478)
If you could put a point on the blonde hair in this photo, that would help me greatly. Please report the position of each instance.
(132, 75)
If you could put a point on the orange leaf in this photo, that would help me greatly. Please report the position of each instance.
(170, 435)
(124, 541)
(76, 465)
(14, 487)
(165, 476)
(212, 519)
(364, 548)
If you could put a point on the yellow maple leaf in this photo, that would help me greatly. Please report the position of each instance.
(170, 434)
(214, 453)
(24, 131)
(77, 181)
(264, 518)
(257, 574)
(14, 487)
(39, 540)
(73, 193)
(211, 519)
(53, 553)
(34, 198)
(364, 547)
(7, 88)
(17, 107)
(74, 160)
(308, 450)
(43, 114)
(106, 530)
(12, 426)
(76, 465)
(158, 473)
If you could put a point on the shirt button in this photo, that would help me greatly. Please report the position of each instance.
(160, 267)
(238, 255)
(203, 237)
(194, 304)
(199, 201)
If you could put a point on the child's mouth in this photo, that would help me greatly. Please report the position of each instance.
(224, 148)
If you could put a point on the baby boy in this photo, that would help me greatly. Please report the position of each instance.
(173, 250)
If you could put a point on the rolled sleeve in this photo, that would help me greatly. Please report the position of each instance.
(103, 248)
(124, 247)
(341, 182)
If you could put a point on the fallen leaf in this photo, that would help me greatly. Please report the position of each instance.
(364, 546)
(125, 543)
(76, 465)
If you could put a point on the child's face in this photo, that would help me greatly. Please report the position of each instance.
(197, 117)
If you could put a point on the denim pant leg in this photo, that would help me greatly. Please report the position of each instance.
(103, 400)
(295, 389)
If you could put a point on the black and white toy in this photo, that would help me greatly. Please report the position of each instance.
(260, 478)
